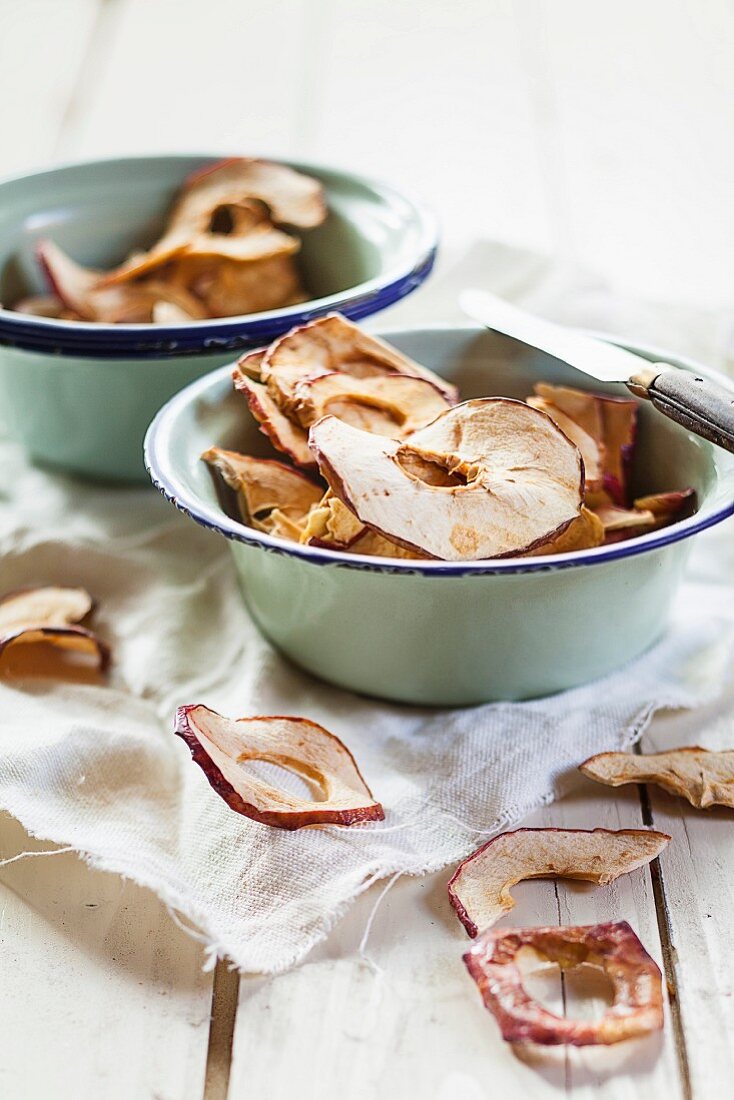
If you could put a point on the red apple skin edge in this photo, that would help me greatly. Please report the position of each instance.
(279, 820)
(459, 909)
(338, 488)
(50, 632)
(614, 946)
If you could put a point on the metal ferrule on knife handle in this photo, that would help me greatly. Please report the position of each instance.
(698, 403)
(642, 380)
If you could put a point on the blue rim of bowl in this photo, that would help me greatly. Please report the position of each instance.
(215, 520)
(146, 341)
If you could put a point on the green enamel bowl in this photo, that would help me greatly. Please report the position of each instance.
(79, 396)
(442, 632)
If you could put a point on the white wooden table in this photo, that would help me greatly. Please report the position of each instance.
(600, 134)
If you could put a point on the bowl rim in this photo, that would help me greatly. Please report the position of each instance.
(224, 333)
(170, 485)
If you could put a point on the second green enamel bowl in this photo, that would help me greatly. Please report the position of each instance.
(79, 395)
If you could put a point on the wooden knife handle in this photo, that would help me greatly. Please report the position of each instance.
(702, 406)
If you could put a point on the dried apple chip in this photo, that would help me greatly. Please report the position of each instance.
(393, 405)
(330, 524)
(223, 748)
(647, 514)
(80, 291)
(586, 531)
(50, 614)
(249, 364)
(490, 478)
(592, 450)
(232, 185)
(229, 288)
(78, 288)
(285, 436)
(704, 777)
(331, 345)
(611, 422)
(272, 497)
(41, 305)
(637, 1007)
(480, 887)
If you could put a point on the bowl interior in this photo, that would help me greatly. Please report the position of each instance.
(100, 212)
(482, 363)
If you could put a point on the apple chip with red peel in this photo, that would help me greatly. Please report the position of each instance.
(591, 449)
(249, 364)
(647, 514)
(223, 748)
(41, 305)
(393, 405)
(285, 436)
(668, 507)
(704, 777)
(332, 345)
(272, 497)
(78, 289)
(291, 197)
(480, 887)
(50, 614)
(637, 1006)
(611, 422)
(239, 193)
(490, 478)
(584, 533)
(624, 523)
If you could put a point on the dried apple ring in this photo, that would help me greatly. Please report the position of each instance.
(637, 1006)
(329, 345)
(289, 438)
(489, 478)
(393, 404)
(222, 747)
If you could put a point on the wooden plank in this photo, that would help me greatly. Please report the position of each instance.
(42, 45)
(632, 103)
(437, 101)
(102, 994)
(219, 76)
(697, 872)
(338, 1026)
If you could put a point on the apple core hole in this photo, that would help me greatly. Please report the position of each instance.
(429, 471)
(287, 779)
(581, 992)
(221, 221)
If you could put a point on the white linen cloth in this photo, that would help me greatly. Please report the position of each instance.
(98, 768)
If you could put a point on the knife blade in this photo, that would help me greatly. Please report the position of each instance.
(700, 404)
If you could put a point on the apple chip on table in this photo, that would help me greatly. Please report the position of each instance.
(227, 249)
(702, 776)
(493, 962)
(385, 461)
(479, 889)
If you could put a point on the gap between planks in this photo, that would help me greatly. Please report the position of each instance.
(95, 54)
(666, 948)
(225, 994)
